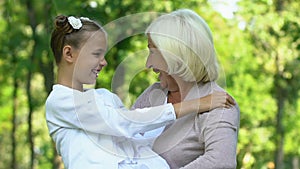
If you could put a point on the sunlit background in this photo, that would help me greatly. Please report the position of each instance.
(258, 48)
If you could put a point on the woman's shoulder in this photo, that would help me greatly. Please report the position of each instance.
(154, 86)
(154, 95)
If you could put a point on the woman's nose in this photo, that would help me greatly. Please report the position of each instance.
(148, 64)
(155, 70)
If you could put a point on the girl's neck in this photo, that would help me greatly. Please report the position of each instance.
(66, 78)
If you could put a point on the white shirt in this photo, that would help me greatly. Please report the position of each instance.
(92, 129)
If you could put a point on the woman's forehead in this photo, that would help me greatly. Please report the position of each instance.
(150, 42)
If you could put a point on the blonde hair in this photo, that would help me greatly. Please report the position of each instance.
(185, 41)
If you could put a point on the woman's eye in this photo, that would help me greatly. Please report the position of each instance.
(151, 51)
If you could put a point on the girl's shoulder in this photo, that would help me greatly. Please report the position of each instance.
(103, 91)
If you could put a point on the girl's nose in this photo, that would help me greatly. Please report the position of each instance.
(103, 62)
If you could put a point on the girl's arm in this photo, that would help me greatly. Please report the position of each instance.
(204, 104)
(105, 114)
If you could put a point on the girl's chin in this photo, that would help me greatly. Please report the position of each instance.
(91, 82)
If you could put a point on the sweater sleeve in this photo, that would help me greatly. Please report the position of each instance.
(220, 138)
(104, 114)
(154, 95)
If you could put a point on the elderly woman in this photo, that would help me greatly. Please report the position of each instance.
(182, 52)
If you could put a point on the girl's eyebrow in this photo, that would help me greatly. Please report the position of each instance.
(100, 50)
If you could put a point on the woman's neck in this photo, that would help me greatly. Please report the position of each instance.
(179, 96)
(174, 97)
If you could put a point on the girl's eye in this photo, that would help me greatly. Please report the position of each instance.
(97, 54)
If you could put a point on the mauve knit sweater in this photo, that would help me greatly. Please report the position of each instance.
(202, 141)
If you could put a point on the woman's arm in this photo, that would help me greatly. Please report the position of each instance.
(220, 135)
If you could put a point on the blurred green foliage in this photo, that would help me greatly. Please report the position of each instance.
(258, 50)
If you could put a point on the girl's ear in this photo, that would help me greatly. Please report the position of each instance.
(68, 54)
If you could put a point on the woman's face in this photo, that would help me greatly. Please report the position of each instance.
(90, 59)
(156, 61)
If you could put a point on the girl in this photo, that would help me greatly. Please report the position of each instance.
(92, 129)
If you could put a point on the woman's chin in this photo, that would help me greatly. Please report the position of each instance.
(162, 85)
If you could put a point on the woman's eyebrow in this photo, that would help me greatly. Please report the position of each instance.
(150, 46)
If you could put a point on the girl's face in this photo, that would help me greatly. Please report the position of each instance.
(156, 61)
(90, 59)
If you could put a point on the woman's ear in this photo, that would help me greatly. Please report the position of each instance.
(68, 54)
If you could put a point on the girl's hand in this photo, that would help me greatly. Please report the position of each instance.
(204, 104)
(218, 100)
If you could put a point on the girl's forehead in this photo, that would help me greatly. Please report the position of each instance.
(97, 35)
(96, 41)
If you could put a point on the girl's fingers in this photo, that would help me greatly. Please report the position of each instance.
(229, 99)
(222, 99)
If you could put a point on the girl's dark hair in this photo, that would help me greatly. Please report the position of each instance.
(64, 34)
